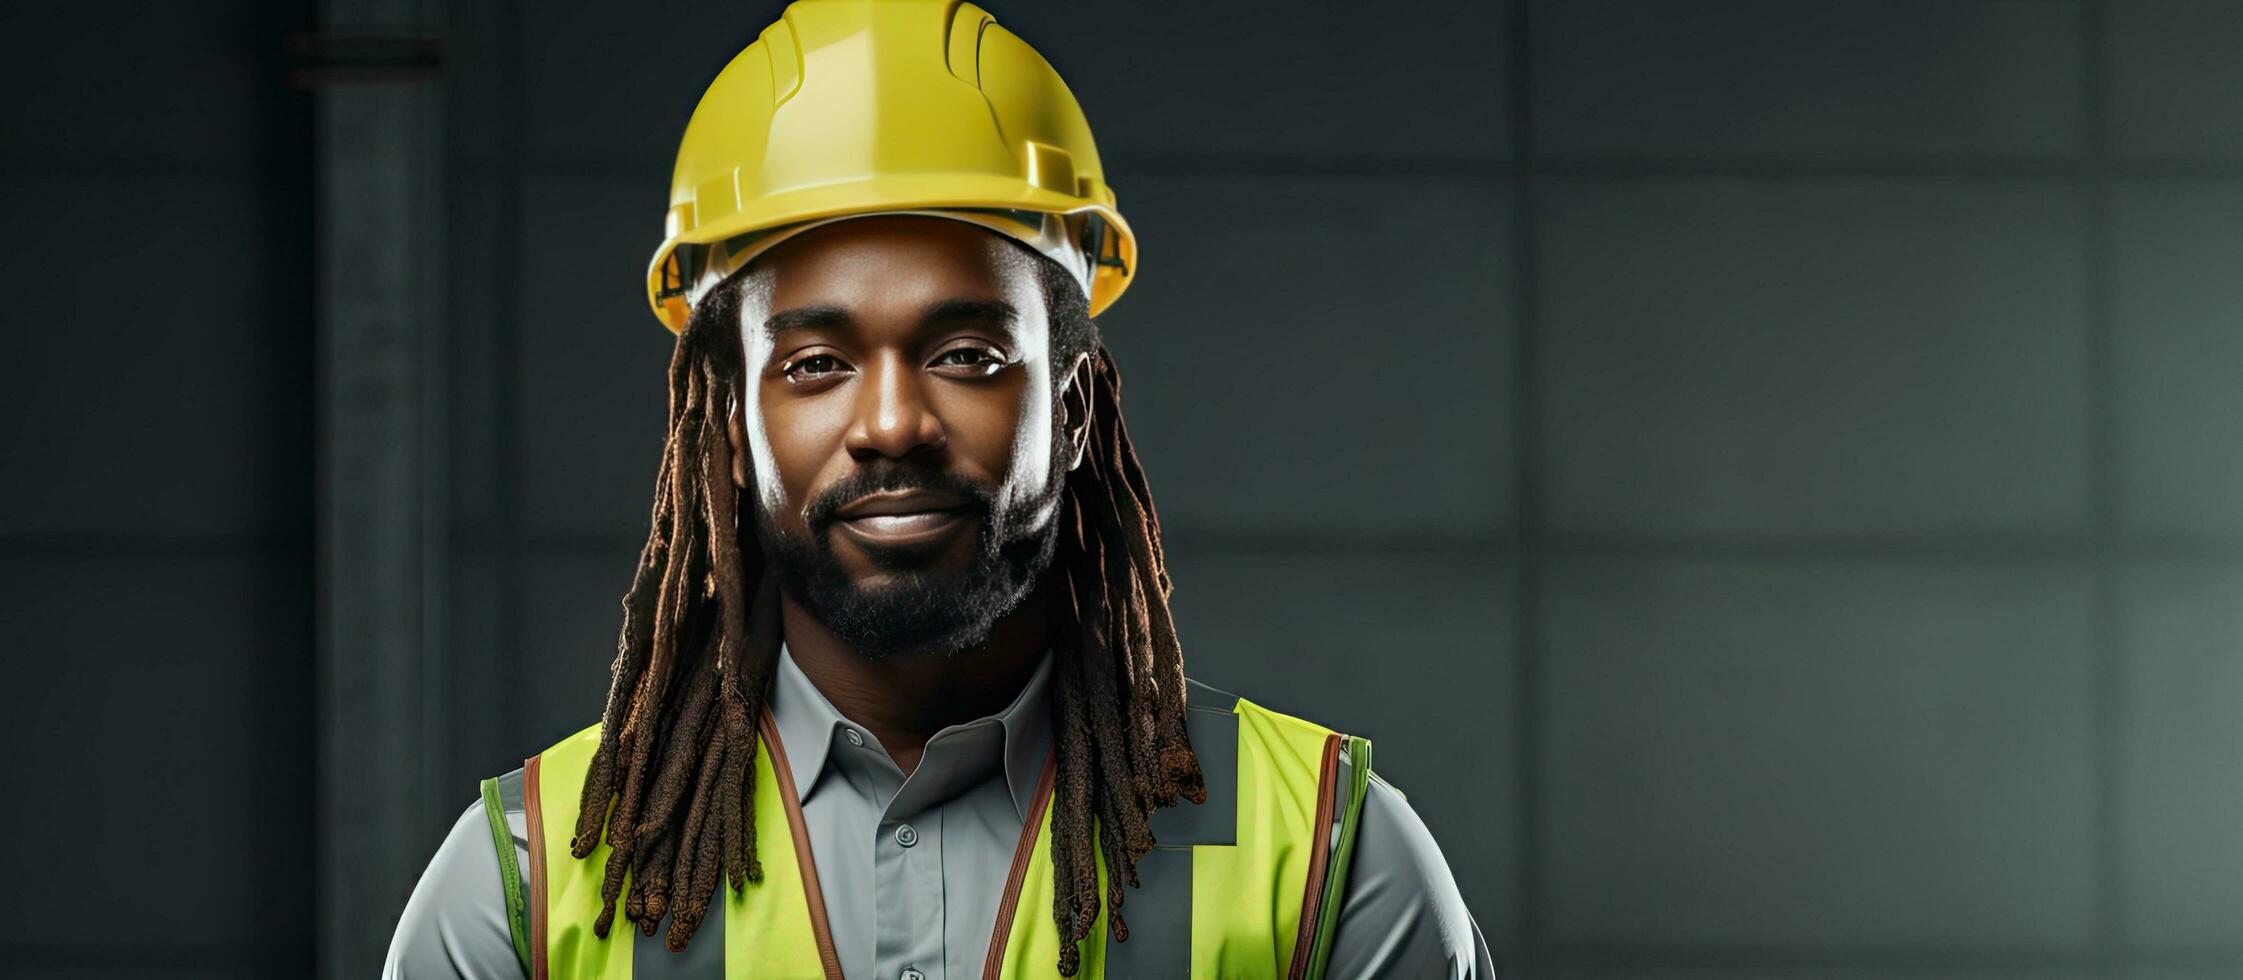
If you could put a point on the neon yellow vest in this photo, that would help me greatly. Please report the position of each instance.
(1263, 888)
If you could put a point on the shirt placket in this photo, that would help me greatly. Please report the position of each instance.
(899, 909)
(907, 869)
(907, 847)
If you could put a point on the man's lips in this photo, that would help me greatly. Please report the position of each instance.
(893, 502)
(890, 524)
(901, 519)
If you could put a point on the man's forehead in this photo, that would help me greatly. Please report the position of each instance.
(882, 253)
(899, 268)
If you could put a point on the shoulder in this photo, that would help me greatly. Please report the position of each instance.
(455, 923)
(1401, 914)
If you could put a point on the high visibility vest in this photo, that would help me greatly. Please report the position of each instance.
(1248, 884)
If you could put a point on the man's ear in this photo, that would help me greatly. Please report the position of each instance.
(1074, 398)
(735, 434)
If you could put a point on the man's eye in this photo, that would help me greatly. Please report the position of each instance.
(813, 367)
(971, 357)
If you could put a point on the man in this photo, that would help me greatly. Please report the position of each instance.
(925, 715)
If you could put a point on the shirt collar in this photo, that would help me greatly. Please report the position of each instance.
(808, 724)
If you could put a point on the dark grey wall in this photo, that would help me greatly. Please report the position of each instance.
(155, 607)
(1769, 476)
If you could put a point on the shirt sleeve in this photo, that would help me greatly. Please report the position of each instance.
(455, 925)
(1401, 915)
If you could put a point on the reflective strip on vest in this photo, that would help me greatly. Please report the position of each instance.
(1243, 885)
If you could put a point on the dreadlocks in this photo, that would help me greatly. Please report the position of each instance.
(671, 783)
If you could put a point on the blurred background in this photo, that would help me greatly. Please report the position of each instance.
(1767, 475)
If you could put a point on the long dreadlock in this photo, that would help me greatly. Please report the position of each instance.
(671, 784)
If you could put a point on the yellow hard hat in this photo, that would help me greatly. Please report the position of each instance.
(856, 107)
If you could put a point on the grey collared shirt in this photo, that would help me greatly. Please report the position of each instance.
(912, 867)
(935, 846)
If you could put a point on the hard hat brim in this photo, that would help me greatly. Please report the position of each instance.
(887, 193)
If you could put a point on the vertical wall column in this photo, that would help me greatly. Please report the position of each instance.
(381, 659)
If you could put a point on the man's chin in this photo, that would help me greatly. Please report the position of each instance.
(893, 603)
(920, 616)
(889, 611)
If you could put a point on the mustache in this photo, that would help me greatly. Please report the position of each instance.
(819, 515)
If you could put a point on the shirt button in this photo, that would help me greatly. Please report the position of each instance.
(907, 837)
(911, 974)
(852, 736)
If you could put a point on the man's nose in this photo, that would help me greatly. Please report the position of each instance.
(894, 418)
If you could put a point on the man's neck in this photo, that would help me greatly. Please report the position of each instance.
(904, 700)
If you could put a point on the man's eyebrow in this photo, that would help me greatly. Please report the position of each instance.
(948, 311)
(992, 311)
(806, 318)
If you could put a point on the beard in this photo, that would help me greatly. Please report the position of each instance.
(918, 608)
